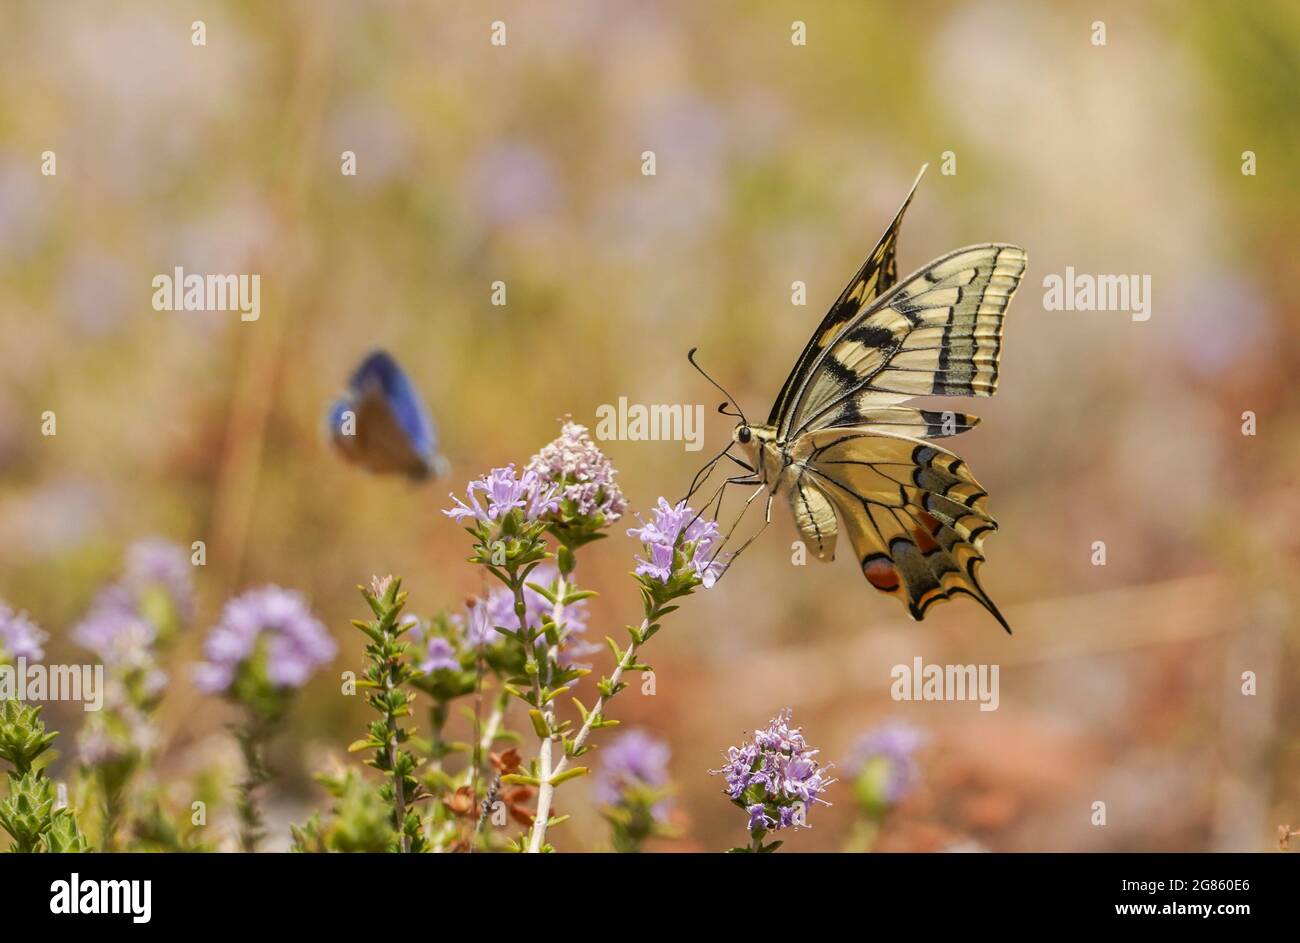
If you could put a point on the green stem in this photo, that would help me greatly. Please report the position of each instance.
(252, 736)
(547, 789)
(112, 815)
(544, 748)
(437, 723)
(490, 730)
(399, 792)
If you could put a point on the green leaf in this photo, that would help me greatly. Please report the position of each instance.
(539, 724)
(542, 591)
(519, 779)
(568, 774)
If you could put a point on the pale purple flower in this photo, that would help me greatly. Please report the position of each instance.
(117, 628)
(779, 737)
(20, 637)
(776, 777)
(742, 769)
(439, 653)
(296, 643)
(115, 631)
(759, 820)
(499, 610)
(475, 625)
(415, 633)
(505, 493)
(96, 746)
(798, 776)
(582, 472)
(377, 131)
(511, 181)
(110, 736)
(633, 759)
(895, 744)
(660, 539)
(154, 562)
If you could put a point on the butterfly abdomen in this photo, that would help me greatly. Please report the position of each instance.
(815, 517)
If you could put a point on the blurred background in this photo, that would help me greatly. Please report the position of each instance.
(775, 163)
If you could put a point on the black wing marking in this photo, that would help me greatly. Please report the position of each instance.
(915, 515)
(937, 332)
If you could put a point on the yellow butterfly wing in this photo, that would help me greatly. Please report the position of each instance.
(939, 332)
(914, 514)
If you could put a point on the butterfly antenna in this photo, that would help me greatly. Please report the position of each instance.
(739, 413)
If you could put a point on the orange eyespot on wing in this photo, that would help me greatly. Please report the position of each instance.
(881, 574)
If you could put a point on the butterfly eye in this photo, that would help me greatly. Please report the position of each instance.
(743, 435)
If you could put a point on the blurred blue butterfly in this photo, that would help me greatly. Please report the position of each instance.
(381, 424)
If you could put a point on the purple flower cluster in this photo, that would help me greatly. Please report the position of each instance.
(504, 492)
(20, 637)
(296, 644)
(884, 761)
(499, 609)
(110, 736)
(776, 779)
(439, 653)
(634, 759)
(115, 631)
(475, 628)
(582, 473)
(120, 626)
(660, 538)
(157, 563)
(478, 624)
(481, 617)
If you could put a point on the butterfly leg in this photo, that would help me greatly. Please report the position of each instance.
(740, 516)
(767, 518)
(717, 495)
(752, 537)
